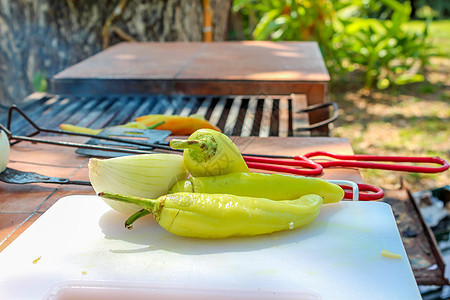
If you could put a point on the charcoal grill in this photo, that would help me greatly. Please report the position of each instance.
(257, 115)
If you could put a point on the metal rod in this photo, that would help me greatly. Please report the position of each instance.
(78, 145)
(39, 130)
(333, 118)
(94, 147)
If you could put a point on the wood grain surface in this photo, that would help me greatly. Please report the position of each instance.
(247, 60)
(21, 205)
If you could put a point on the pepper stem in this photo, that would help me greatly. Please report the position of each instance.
(134, 217)
(152, 205)
(188, 144)
(201, 149)
(155, 125)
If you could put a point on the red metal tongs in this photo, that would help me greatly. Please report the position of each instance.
(309, 167)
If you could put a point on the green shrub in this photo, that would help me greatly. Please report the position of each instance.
(383, 49)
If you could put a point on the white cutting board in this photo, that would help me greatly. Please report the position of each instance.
(338, 256)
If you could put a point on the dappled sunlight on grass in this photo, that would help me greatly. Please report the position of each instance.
(410, 108)
(439, 31)
(404, 122)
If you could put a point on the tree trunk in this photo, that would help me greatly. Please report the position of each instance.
(40, 38)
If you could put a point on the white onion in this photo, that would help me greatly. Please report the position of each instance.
(4, 150)
(146, 175)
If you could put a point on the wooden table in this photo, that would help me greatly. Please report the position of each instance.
(219, 68)
(21, 205)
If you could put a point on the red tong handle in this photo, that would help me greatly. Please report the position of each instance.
(362, 161)
(273, 164)
(376, 193)
(366, 192)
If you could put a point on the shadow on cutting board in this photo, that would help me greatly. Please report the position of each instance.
(149, 236)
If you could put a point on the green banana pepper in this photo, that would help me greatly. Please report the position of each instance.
(271, 186)
(222, 215)
(208, 152)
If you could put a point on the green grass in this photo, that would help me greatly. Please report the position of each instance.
(412, 120)
(439, 33)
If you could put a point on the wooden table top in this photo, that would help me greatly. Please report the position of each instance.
(244, 60)
(196, 68)
(21, 205)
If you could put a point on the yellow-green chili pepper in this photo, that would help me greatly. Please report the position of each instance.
(210, 153)
(271, 186)
(223, 215)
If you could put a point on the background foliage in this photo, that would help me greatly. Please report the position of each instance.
(370, 37)
(398, 50)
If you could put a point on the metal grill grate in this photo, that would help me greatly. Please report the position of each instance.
(236, 115)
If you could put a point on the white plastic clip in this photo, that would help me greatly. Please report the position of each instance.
(348, 183)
